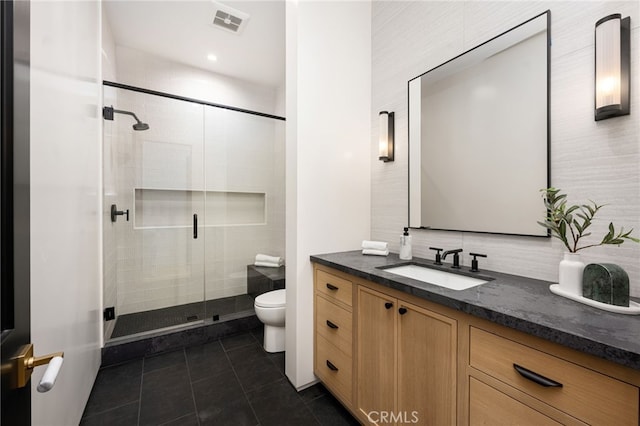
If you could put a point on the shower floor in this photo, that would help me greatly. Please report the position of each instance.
(140, 322)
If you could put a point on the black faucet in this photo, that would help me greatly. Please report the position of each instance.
(456, 257)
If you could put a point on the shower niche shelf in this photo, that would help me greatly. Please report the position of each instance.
(174, 208)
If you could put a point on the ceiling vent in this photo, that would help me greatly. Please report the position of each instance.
(228, 18)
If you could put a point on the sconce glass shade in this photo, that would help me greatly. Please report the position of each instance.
(386, 146)
(612, 67)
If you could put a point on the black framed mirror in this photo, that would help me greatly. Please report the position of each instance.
(479, 136)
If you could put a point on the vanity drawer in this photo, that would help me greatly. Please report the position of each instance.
(488, 406)
(334, 287)
(334, 324)
(585, 394)
(334, 368)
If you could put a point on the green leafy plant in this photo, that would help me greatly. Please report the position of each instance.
(570, 223)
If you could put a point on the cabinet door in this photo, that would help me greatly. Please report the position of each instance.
(427, 350)
(377, 317)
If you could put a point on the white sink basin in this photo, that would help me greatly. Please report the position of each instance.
(436, 277)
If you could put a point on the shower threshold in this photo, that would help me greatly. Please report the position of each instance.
(174, 317)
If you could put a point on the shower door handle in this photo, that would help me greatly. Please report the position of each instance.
(195, 226)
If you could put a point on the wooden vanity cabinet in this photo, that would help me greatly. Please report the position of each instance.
(406, 362)
(541, 385)
(387, 360)
(333, 336)
(393, 358)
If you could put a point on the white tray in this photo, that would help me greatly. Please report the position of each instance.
(632, 309)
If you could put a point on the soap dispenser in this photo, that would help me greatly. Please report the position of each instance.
(405, 245)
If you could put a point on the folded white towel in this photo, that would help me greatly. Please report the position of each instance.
(268, 264)
(269, 259)
(376, 252)
(375, 245)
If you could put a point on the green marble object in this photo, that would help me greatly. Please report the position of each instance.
(606, 283)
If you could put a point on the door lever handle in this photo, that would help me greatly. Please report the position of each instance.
(51, 373)
(24, 363)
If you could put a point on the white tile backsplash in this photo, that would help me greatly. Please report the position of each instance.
(593, 160)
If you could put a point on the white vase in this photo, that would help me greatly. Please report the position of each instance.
(570, 273)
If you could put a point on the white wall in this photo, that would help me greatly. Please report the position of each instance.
(65, 202)
(589, 160)
(141, 69)
(109, 67)
(327, 154)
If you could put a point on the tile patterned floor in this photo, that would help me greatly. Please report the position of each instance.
(232, 381)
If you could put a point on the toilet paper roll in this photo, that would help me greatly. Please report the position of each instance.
(50, 375)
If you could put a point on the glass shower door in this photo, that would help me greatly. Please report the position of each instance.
(244, 204)
(158, 177)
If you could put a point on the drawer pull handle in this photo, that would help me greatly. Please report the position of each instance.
(331, 287)
(388, 305)
(331, 366)
(535, 377)
(332, 325)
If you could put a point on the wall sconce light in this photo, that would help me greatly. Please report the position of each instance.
(386, 137)
(613, 53)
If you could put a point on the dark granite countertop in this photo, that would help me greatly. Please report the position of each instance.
(520, 303)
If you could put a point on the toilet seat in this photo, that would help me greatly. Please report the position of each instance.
(272, 299)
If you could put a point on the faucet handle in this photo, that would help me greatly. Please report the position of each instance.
(438, 256)
(456, 259)
(474, 261)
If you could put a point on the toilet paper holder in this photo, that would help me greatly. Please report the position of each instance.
(25, 362)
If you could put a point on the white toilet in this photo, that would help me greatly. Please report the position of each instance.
(270, 309)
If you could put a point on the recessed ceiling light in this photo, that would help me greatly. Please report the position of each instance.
(212, 57)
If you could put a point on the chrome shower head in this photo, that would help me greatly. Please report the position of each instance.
(107, 114)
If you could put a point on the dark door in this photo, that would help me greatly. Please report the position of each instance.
(14, 205)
